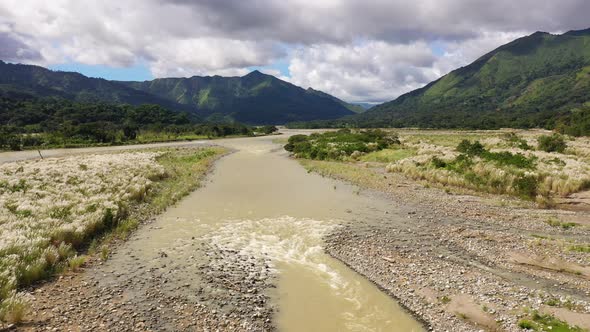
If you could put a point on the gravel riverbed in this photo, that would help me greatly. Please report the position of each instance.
(464, 263)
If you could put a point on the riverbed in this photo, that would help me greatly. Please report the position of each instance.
(264, 214)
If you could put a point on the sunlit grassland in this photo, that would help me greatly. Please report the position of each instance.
(509, 162)
(388, 155)
(53, 211)
(153, 136)
(344, 171)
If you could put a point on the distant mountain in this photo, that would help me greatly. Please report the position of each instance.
(356, 108)
(18, 80)
(541, 80)
(254, 98)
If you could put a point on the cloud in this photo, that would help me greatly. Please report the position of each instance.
(14, 49)
(203, 56)
(372, 71)
(365, 50)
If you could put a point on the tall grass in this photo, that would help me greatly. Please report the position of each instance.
(505, 164)
(108, 195)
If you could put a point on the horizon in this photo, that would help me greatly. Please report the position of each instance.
(372, 58)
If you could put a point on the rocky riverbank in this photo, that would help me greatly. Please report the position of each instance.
(465, 263)
(228, 293)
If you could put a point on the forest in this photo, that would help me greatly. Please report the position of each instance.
(55, 122)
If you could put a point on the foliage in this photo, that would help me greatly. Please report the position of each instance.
(14, 308)
(267, 130)
(503, 158)
(338, 145)
(546, 322)
(388, 155)
(29, 123)
(473, 149)
(553, 143)
(523, 184)
(516, 141)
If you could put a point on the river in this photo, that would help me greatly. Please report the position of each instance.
(260, 203)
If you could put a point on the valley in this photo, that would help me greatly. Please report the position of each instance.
(294, 166)
(381, 251)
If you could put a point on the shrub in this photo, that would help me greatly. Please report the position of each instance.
(14, 308)
(338, 145)
(438, 163)
(503, 158)
(526, 324)
(472, 149)
(553, 143)
(76, 262)
(526, 186)
(516, 141)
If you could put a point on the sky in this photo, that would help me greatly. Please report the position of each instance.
(358, 50)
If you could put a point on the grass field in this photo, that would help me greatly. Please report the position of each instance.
(53, 210)
(512, 162)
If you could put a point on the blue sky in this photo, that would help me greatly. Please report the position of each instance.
(138, 72)
(141, 72)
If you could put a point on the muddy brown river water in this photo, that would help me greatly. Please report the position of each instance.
(261, 204)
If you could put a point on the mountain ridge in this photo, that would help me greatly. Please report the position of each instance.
(255, 98)
(236, 96)
(539, 80)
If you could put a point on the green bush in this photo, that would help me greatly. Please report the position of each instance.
(472, 149)
(526, 186)
(337, 145)
(553, 143)
(516, 141)
(503, 158)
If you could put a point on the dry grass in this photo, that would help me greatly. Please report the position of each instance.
(52, 208)
(557, 174)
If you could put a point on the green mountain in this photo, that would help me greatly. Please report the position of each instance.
(24, 81)
(356, 108)
(541, 80)
(254, 98)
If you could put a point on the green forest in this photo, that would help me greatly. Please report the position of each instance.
(54, 122)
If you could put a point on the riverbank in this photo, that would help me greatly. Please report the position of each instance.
(121, 191)
(467, 261)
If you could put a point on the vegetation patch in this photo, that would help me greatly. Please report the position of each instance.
(540, 322)
(501, 163)
(340, 145)
(51, 123)
(553, 143)
(389, 155)
(64, 218)
(477, 168)
(556, 223)
(585, 248)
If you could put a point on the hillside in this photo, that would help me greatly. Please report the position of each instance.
(253, 98)
(356, 108)
(541, 80)
(19, 81)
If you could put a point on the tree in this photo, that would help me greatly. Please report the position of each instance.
(130, 131)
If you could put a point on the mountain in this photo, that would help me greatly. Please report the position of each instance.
(356, 108)
(24, 81)
(541, 80)
(254, 98)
